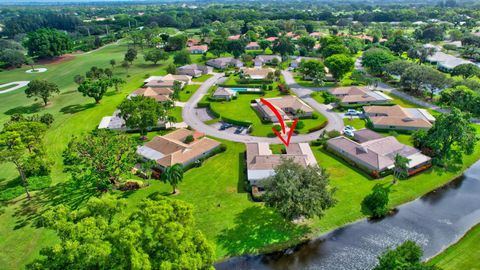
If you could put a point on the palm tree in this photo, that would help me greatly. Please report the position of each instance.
(173, 175)
(400, 171)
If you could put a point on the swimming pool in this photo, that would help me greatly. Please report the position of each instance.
(243, 89)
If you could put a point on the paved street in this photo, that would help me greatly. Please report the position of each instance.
(193, 120)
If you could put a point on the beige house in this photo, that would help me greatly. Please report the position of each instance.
(159, 94)
(261, 162)
(261, 60)
(224, 62)
(224, 93)
(376, 154)
(193, 70)
(172, 148)
(167, 81)
(257, 73)
(396, 117)
(359, 95)
(289, 107)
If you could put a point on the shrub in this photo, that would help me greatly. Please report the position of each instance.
(319, 127)
(300, 125)
(375, 204)
(39, 182)
(203, 104)
(11, 193)
(130, 185)
(333, 133)
(189, 139)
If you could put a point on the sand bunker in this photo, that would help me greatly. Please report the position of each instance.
(36, 70)
(14, 86)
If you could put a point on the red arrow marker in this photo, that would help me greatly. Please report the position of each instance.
(282, 123)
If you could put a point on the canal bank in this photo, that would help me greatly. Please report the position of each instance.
(435, 221)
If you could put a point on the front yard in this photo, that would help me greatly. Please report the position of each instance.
(240, 109)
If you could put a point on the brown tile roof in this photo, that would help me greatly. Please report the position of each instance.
(260, 157)
(257, 72)
(396, 116)
(174, 149)
(349, 90)
(159, 94)
(198, 47)
(377, 153)
(284, 103)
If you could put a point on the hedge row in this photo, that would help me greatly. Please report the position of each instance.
(319, 127)
(236, 122)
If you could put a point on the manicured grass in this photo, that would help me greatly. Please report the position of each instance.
(202, 78)
(465, 254)
(240, 109)
(74, 115)
(318, 97)
(177, 113)
(357, 123)
(224, 211)
(187, 92)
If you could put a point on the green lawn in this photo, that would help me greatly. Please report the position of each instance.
(187, 92)
(202, 78)
(223, 209)
(177, 113)
(463, 255)
(240, 109)
(318, 97)
(74, 115)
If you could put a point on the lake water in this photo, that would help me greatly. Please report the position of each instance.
(434, 221)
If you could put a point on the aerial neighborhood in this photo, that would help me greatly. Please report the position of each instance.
(254, 135)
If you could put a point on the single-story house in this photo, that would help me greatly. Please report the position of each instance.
(194, 70)
(292, 35)
(224, 93)
(317, 35)
(257, 73)
(398, 118)
(289, 107)
(192, 42)
(224, 62)
(198, 49)
(172, 148)
(261, 60)
(377, 155)
(359, 95)
(166, 81)
(261, 162)
(234, 37)
(252, 46)
(271, 39)
(444, 61)
(159, 94)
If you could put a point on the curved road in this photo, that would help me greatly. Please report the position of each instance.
(190, 116)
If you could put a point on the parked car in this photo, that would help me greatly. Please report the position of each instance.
(352, 112)
(348, 127)
(348, 132)
(238, 130)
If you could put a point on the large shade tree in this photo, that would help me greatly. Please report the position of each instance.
(47, 42)
(141, 113)
(101, 158)
(451, 136)
(313, 70)
(339, 65)
(95, 89)
(41, 89)
(158, 234)
(296, 191)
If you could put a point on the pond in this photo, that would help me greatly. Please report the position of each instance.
(434, 221)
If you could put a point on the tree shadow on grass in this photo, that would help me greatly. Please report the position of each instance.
(72, 109)
(33, 108)
(241, 185)
(256, 228)
(70, 194)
